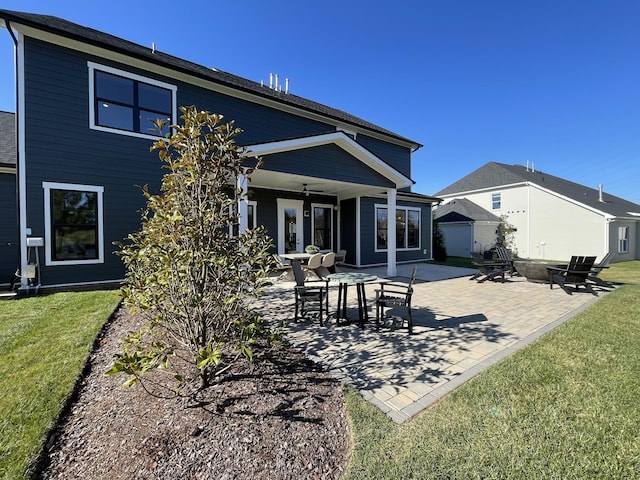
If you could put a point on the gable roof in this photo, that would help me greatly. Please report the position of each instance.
(8, 152)
(87, 35)
(494, 175)
(461, 210)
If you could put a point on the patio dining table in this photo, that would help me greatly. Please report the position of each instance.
(358, 279)
(296, 257)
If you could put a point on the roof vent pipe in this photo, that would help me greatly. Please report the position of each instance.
(286, 85)
(600, 186)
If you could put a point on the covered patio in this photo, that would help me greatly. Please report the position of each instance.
(460, 328)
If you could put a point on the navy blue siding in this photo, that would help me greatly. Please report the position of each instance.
(60, 147)
(9, 253)
(395, 155)
(348, 229)
(327, 161)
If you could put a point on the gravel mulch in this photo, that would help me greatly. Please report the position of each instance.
(278, 418)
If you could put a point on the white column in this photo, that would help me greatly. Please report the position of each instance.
(243, 211)
(391, 232)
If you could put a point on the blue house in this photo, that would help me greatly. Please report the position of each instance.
(84, 100)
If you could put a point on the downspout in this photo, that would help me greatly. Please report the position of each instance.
(21, 242)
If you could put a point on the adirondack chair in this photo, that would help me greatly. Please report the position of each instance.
(595, 271)
(487, 270)
(576, 273)
(505, 256)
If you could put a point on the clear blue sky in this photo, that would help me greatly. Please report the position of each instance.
(554, 82)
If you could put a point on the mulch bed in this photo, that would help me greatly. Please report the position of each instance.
(280, 417)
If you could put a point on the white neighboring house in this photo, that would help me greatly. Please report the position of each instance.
(466, 227)
(554, 218)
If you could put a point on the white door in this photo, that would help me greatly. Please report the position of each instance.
(290, 233)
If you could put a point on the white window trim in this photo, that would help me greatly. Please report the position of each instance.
(48, 186)
(254, 204)
(499, 195)
(114, 71)
(623, 239)
(398, 207)
(313, 220)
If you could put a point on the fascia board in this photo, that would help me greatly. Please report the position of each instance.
(341, 140)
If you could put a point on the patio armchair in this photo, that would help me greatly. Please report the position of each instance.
(487, 270)
(326, 265)
(313, 263)
(395, 295)
(505, 256)
(341, 257)
(308, 297)
(595, 271)
(576, 274)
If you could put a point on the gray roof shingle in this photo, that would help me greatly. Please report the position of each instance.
(462, 209)
(88, 35)
(8, 152)
(494, 175)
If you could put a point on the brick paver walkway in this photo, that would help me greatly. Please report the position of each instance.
(460, 328)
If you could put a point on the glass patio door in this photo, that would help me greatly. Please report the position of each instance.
(290, 232)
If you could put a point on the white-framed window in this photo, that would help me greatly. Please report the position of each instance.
(126, 103)
(73, 223)
(408, 232)
(496, 201)
(322, 225)
(252, 214)
(623, 239)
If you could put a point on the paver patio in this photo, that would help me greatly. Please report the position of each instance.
(460, 328)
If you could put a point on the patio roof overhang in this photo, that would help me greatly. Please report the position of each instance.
(264, 178)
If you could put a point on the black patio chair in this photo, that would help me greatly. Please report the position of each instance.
(310, 298)
(487, 270)
(505, 256)
(576, 274)
(597, 268)
(395, 295)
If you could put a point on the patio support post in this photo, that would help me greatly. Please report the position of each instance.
(243, 211)
(391, 232)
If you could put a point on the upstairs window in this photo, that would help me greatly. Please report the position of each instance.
(496, 201)
(124, 103)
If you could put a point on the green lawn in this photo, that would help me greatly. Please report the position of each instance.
(566, 406)
(44, 343)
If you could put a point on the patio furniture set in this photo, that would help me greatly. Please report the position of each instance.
(312, 294)
(581, 271)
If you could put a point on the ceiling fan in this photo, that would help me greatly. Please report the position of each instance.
(305, 191)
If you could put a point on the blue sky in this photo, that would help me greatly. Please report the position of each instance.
(556, 83)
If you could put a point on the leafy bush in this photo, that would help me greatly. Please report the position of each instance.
(187, 274)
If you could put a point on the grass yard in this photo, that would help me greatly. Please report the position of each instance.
(44, 343)
(564, 407)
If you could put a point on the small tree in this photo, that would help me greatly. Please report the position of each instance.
(439, 247)
(505, 235)
(186, 274)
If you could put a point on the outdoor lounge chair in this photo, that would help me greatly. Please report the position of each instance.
(505, 256)
(395, 295)
(595, 271)
(310, 298)
(487, 270)
(576, 274)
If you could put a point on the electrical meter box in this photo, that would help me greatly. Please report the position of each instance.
(35, 242)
